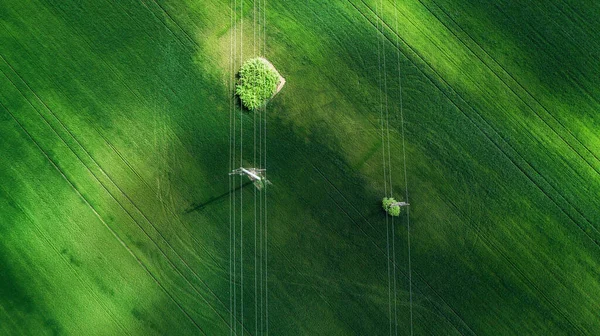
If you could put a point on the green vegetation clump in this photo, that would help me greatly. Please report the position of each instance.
(257, 83)
(390, 208)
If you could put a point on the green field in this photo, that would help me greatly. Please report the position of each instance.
(114, 188)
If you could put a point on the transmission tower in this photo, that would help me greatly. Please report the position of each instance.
(256, 175)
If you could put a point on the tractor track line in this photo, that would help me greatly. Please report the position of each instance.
(541, 37)
(123, 207)
(381, 250)
(11, 319)
(493, 129)
(522, 274)
(520, 86)
(489, 137)
(115, 235)
(44, 237)
(135, 172)
(405, 275)
(520, 168)
(125, 160)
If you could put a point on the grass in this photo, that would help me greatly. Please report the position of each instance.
(115, 125)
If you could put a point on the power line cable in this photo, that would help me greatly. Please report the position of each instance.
(231, 162)
(405, 164)
(241, 177)
(381, 74)
(234, 151)
(266, 240)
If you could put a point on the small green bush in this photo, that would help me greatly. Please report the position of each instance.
(257, 83)
(392, 210)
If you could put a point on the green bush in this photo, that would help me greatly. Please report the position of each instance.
(257, 83)
(392, 210)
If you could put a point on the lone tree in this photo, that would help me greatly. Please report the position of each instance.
(257, 83)
(392, 207)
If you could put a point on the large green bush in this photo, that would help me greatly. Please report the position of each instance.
(257, 83)
(390, 208)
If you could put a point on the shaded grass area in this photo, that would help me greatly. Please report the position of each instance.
(115, 115)
(519, 143)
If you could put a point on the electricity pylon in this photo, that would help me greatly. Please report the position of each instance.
(255, 175)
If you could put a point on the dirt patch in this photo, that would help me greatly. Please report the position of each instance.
(281, 82)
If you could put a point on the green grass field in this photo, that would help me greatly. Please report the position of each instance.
(115, 125)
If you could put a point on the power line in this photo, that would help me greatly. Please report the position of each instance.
(405, 165)
(255, 189)
(231, 162)
(391, 194)
(382, 83)
(233, 151)
(241, 183)
(266, 236)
